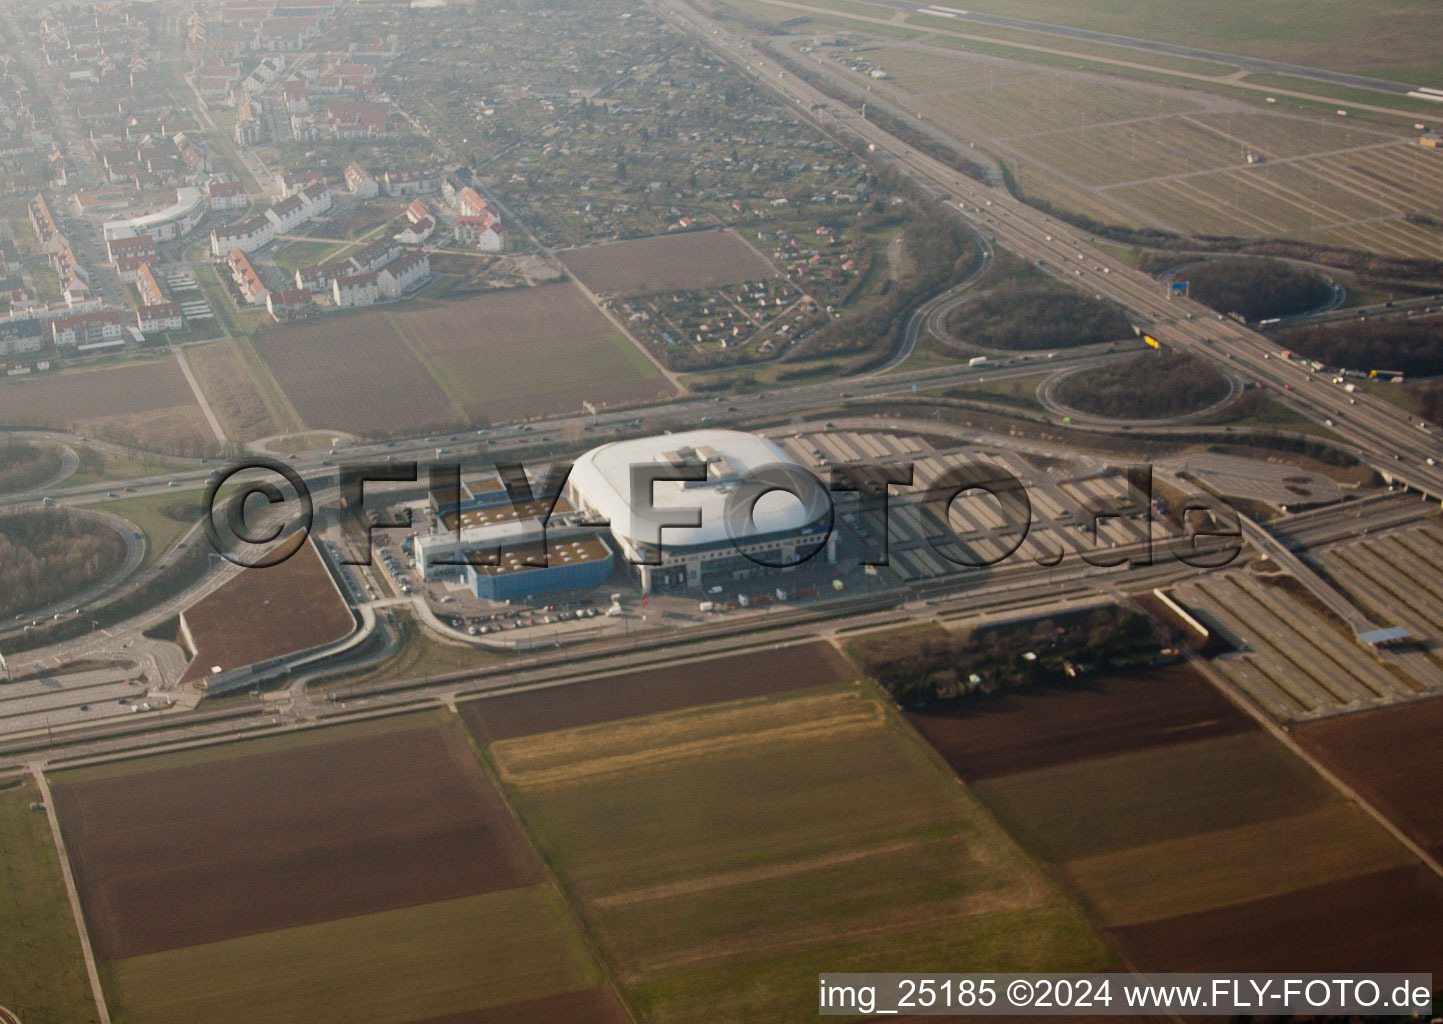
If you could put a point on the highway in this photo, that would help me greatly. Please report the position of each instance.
(506, 441)
(1396, 443)
(947, 600)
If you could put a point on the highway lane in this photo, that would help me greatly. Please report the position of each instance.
(677, 414)
(1397, 444)
(947, 600)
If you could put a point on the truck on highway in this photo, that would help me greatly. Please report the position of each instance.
(977, 361)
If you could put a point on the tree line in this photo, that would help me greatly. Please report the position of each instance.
(917, 666)
(1256, 289)
(24, 465)
(48, 555)
(943, 251)
(1151, 385)
(1029, 319)
(1413, 349)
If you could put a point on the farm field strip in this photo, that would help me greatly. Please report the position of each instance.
(651, 691)
(1194, 848)
(527, 352)
(393, 885)
(146, 401)
(1363, 750)
(387, 820)
(391, 967)
(870, 850)
(1139, 145)
(232, 393)
(328, 370)
(41, 970)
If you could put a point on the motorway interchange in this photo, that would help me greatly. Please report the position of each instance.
(1401, 448)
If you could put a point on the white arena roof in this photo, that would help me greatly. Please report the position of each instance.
(601, 480)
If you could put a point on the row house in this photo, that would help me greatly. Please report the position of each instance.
(318, 278)
(149, 287)
(351, 119)
(161, 316)
(296, 97)
(360, 182)
(128, 267)
(85, 330)
(289, 302)
(411, 182)
(481, 232)
(248, 235)
(246, 278)
(470, 203)
(226, 195)
(354, 290)
(41, 219)
(397, 278)
(129, 247)
(375, 256)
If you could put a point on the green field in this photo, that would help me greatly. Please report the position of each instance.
(159, 517)
(710, 886)
(42, 976)
(297, 255)
(385, 968)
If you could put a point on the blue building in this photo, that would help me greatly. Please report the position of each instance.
(517, 573)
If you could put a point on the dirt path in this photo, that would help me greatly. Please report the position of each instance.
(85, 951)
(201, 400)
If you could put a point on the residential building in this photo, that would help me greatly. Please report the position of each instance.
(248, 235)
(354, 290)
(19, 335)
(289, 302)
(417, 232)
(162, 316)
(226, 195)
(404, 274)
(148, 286)
(244, 274)
(360, 182)
(175, 221)
(134, 245)
(86, 330)
(479, 231)
(471, 203)
(375, 256)
(411, 182)
(287, 214)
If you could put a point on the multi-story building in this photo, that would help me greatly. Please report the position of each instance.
(248, 235)
(161, 316)
(226, 195)
(354, 290)
(395, 279)
(86, 330)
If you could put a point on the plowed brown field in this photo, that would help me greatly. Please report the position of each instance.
(249, 844)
